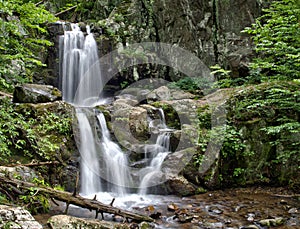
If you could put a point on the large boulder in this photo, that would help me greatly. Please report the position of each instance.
(17, 218)
(26, 173)
(36, 93)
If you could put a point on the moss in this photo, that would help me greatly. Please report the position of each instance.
(266, 117)
(172, 118)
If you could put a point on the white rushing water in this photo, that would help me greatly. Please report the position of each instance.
(89, 166)
(81, 72)
(114, 161)
(157, 154)
(104, 166)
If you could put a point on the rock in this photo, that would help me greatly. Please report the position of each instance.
(215, 210)
(164, 93)
(292, 222)
(176, 161)
(252, 226)
(17, 218)
(138, 122)
(142, 95)
(293, 211)
(27, 174)
(126, 100)
(69, 222)
(172, 207)
(272, 222)
(213, 225)
(63, 141)
(178, 185)
(35, 93)
(161, 93)
(145, 225)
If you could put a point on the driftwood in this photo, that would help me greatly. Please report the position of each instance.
(5, 94)
(77, 200)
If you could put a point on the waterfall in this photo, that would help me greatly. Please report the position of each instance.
(158, 153)
(114, 161)
(81, 85)
(104, 166)
(80, 68)
(90, 181)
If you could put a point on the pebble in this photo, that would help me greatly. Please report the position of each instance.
(250, 217)
(172, 207)
(252, 226)
(272, 222)
(293, 211)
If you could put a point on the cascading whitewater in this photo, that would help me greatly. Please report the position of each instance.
(101, 158)
(158, 153)
(115, 165)
(90, 168)
(80, 68)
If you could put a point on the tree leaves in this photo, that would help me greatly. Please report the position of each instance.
(276, 35)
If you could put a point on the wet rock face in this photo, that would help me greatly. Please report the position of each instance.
(209, 29)
(35, 93)
(17, 217)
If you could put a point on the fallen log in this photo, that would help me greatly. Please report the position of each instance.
(77, 200)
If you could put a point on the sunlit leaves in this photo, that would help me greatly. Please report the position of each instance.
(277, 38)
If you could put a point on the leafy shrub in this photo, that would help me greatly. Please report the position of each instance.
(276, 35)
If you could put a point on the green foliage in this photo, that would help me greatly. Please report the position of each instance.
(267, 116)
(10, 137)
(276, 35)
(233, 144)
(24, 133)
(261, 137)
(22, 29)
(194, 85)
(187, 84)
(33, 200)
(224, 78)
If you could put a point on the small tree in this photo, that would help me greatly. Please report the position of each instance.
(276, 35)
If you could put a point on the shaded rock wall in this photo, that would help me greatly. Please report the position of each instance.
(209, 29)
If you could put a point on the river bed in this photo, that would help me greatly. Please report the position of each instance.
(231, 208)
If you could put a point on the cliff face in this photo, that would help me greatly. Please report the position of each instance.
(209, 29)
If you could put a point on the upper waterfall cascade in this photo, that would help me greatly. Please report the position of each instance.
(80, 71)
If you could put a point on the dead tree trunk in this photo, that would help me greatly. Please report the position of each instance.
(77, 200)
